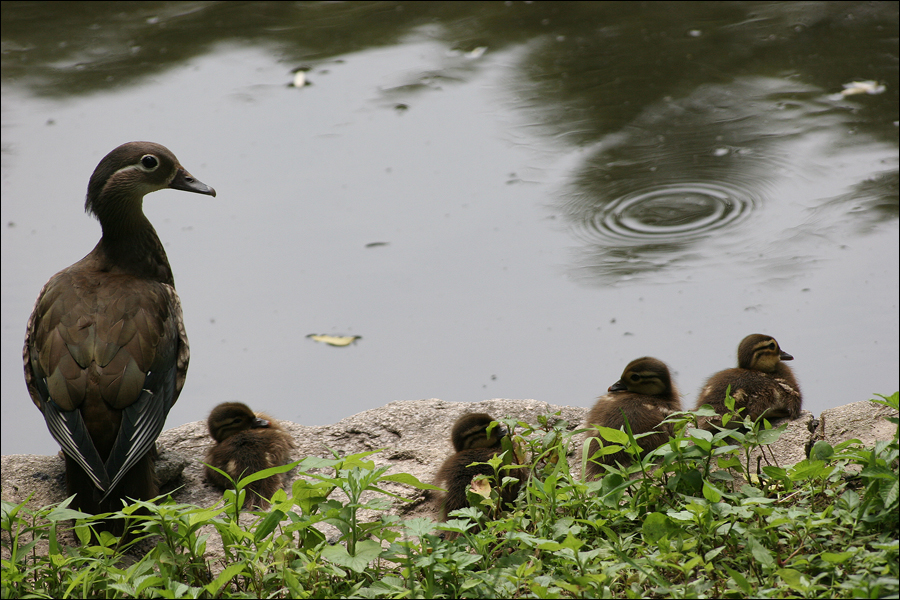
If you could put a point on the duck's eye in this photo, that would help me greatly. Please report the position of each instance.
(635, 377)
(149, 162)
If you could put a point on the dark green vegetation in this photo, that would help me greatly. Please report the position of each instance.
(689, 526)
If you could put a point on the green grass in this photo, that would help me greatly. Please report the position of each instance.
(694, 519)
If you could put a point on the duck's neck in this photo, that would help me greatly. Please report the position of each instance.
(129, 241)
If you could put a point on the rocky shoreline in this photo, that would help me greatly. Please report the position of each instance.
(413, 437)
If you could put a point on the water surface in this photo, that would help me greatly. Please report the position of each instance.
(503, 199)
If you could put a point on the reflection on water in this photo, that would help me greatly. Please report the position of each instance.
(867, 204)
(686, 176)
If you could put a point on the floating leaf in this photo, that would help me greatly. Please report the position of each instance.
(862, 87)
(334, 340)
(299, 76)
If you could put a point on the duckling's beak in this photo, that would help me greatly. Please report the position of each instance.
(618, 386)
(785, 356)
(257, 422)
(186, 182)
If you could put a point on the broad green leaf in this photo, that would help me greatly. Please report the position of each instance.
(890, 499)
(760, 552)
(224, 577)
(769, 436)
(821, 450)
(407, 479)
(615, 436)
(710, 492)
(699, 434)
(572, 542)
(836, 558)
(366, 552)
(203, 516)
(657, 526)
(794, 578)
(268, 525)
(878, 473)
(807, 469)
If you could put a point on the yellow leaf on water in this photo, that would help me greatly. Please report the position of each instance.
(334, 340)
(862, 87)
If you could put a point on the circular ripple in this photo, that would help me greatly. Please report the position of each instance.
(673, 213)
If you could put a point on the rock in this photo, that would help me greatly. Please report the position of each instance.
(864, 421)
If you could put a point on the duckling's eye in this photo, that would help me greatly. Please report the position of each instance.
(635, 377)
(149, 162)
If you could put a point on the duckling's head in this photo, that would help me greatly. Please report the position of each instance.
(760, 353)
(470, 431)
(230, 418)
(133, 170)
(647, 376)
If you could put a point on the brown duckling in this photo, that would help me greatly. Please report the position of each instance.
(646, 395)
(472, 443)
(246, 442)
(761, 383)
(106, 352)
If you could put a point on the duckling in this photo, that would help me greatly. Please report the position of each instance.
(106, 353)
(246, 442)
(472, 443)
(646, 395)
(761, 383)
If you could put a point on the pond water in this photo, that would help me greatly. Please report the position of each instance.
(504, 200)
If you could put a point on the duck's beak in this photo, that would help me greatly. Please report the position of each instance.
(257, 422)
(186, 182)
(785, 356)
(618, 386)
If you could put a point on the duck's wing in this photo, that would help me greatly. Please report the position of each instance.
(143, 420)
(42, 354)
(114, 353)
(141, 424)
(68, 429)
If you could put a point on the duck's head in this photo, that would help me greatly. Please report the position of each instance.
(133, 170)
(230, 418)
(760, 352)
(647, 376)
(471, 431)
